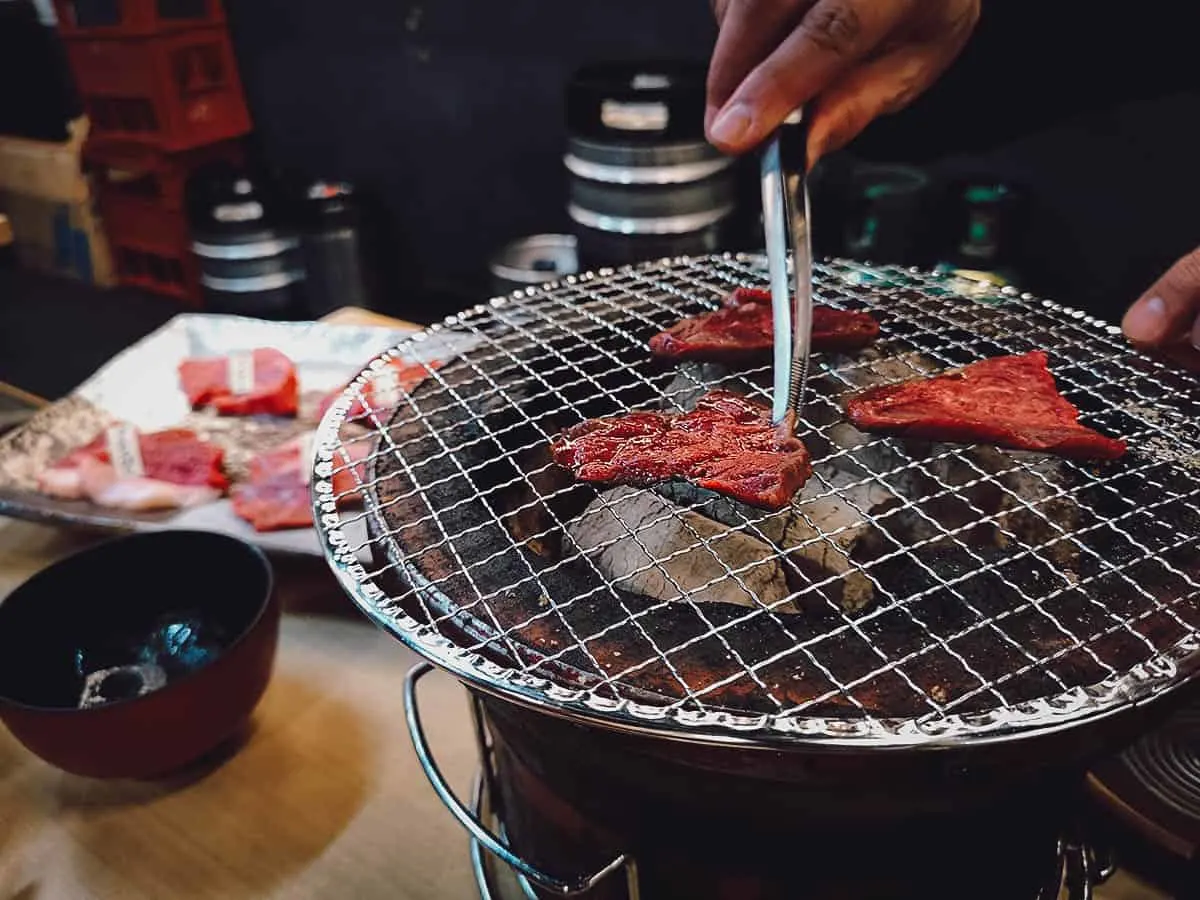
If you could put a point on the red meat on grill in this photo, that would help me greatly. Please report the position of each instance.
(726, 444)
(276, 495)
(261, 382)
(175, 469)
(741, 330)
(1010, 401)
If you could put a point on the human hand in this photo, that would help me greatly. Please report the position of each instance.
(856, 59)
(1169, 312)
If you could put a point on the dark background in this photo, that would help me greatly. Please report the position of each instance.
(448, 114)
(451, 113)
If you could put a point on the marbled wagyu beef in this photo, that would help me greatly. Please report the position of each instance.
(140, 472)
(742, 331)
(276, 496)
(262, 381)
(1009, 401)
(726, 444)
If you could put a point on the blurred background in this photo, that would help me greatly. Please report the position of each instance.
(284, 158)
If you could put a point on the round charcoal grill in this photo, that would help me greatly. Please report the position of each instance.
(923, 653)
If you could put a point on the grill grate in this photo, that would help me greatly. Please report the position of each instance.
(912, 591)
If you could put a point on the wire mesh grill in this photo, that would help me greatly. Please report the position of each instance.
(912, 591)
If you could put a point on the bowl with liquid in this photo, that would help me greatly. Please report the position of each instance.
(138, 656)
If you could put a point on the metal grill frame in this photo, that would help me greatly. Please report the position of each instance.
(1164, 671)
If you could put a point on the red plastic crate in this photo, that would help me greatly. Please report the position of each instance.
(156, 180)
(170, 92)
(131, 18)
(151, 246)
(131, 220)
(174, 276)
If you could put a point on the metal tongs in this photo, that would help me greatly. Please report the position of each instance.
(786, 224)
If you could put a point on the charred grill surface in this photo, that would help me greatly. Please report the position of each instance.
(908, 580)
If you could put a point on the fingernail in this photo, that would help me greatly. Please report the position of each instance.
(1145, 321)
(731, 124)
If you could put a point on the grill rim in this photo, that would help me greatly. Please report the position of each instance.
(1171, 668)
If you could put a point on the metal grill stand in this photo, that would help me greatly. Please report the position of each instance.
(501, 874)
(469, 817)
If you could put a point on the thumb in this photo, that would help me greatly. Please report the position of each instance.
(1168, 309)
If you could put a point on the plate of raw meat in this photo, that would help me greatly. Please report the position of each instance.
(206, 423)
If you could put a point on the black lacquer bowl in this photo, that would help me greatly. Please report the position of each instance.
(138, 656)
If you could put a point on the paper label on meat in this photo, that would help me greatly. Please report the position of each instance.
(125, 451)
(241, 373)
(386, 389)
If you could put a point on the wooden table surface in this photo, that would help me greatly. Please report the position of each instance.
(323, 799)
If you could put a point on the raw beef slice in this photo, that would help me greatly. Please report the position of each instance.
(178, 470)
(726, 444)
(277, 494)
(381, 394)
(742, 330)
(272, 387)
(1010, 401)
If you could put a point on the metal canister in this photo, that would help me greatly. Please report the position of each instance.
(254, 274)
(249, 253)
(884, 218)
(334, 252)
(533, 260)
(642, 181)
(982, 228)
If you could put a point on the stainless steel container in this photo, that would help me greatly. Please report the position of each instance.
(334, 250)
(254, 274)
(533, 260)
(642, 181)
(248, 251)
